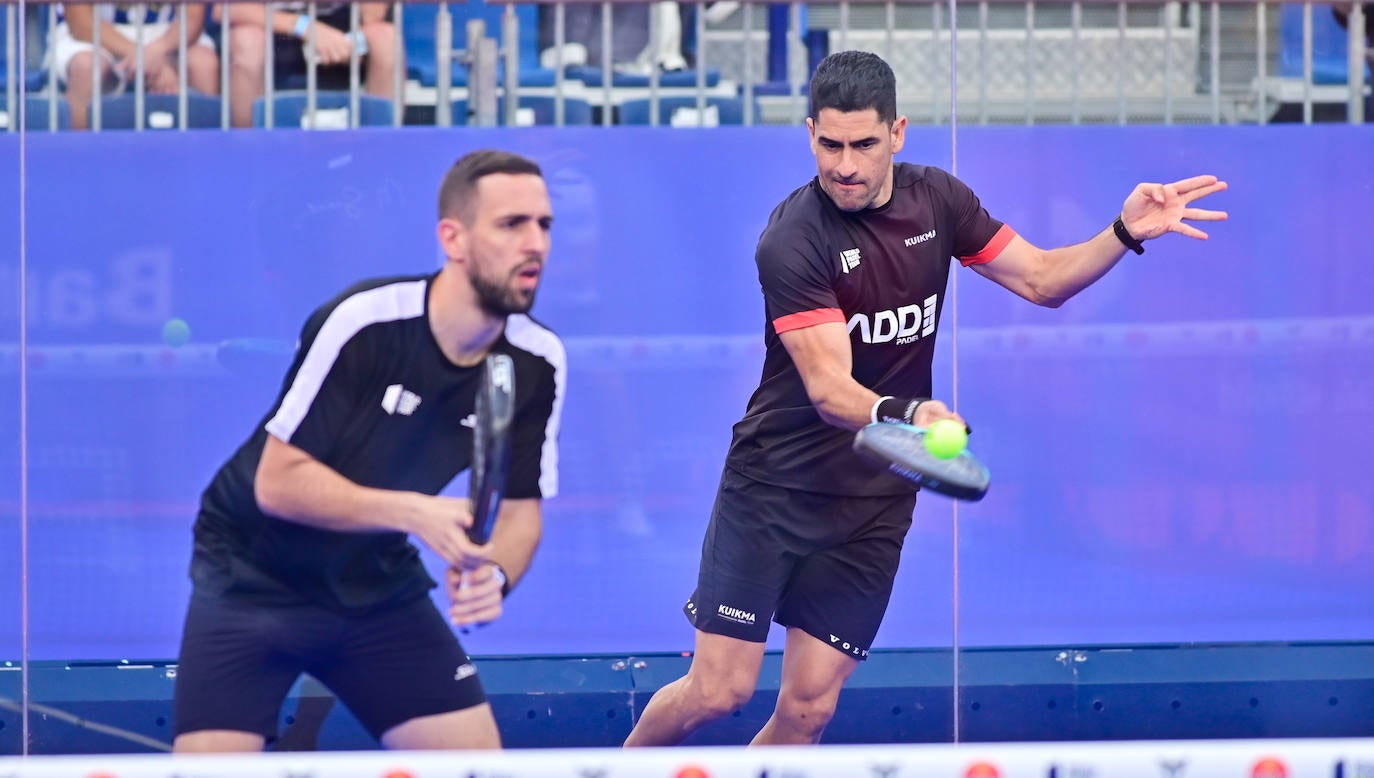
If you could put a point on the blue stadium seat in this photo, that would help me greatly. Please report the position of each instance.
(730, 109)
(420, 25)
(591, 75)
(575, 111)
(289, 107)
(159, 112)
(33, 80)
(36, 113)
(1330, 46)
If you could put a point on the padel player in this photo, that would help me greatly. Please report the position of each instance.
(853, 268)
(302, 562)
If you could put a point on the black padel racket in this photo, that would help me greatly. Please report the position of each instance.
(491, 435)
(902, 449)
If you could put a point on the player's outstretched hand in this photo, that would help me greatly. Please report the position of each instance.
(1155, 209)
(441, 523)
(474, 596)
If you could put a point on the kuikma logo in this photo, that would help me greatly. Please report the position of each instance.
(736, 615)
(849, 259)
(982, 770)
(1269, 767)
(398, 399)
(903, 325)
(916, 240)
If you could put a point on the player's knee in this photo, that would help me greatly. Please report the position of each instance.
(806, 714)
(717, 697)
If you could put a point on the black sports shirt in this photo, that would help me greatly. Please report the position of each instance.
(883, 272)
(370, 394)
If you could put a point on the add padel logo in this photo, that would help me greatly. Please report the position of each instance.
(1269, 767)
(398, 399)
(982, 770)
(905, 324)
(849, 259)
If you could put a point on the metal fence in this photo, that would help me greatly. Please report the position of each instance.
(992, 61)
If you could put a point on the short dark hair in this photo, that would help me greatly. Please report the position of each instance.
(455, 194)
(850, 81)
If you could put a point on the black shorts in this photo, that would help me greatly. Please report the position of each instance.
(820, 562)
(239, 660)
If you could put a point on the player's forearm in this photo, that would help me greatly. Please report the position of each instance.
(516, 537)
(1068, 270)
(826, 364)
(295, 487)
(842, 402)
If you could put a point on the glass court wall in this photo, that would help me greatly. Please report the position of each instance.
(1137, 496)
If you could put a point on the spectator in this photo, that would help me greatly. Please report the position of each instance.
(334, 43)
(74, 61)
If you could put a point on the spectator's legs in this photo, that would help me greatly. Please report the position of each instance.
(202, 70)
(664, 47)
(79, 90)
(381, 59)
(246, 63)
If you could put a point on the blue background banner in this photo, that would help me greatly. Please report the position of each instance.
(1179, 454)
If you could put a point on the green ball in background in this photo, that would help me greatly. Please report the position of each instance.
(176, 332)
(946, 439)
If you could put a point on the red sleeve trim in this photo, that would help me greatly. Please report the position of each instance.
(994, 247)
(796, 321)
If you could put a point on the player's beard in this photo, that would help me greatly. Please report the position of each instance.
(500, 298)
(850, 201)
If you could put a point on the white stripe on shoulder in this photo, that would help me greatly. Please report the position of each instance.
(526, 333)
(393, 302)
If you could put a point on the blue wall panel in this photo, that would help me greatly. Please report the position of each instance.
(1178, 454)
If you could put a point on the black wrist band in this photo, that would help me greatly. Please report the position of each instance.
(898, 410)
(500, 573)
(1123, 235)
